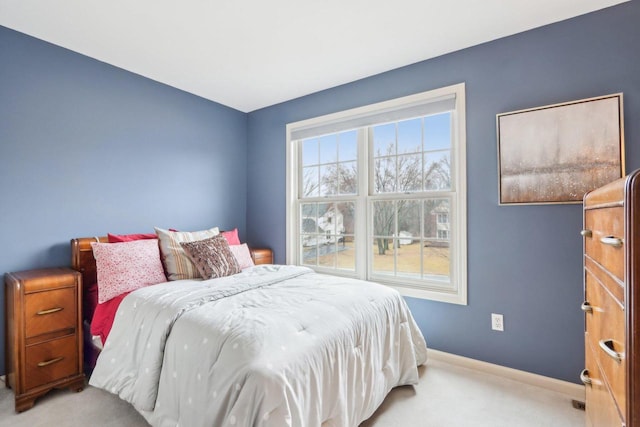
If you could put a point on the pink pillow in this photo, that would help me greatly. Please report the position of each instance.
(126, 266)
(242, 255)
(232, 237)
(118, 238)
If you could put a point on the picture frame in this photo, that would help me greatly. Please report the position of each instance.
(556, 153)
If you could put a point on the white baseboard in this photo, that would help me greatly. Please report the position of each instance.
(573, 391)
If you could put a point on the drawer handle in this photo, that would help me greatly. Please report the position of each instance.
(586, 233)
(584, 377)
(49, 362)
(612, 241)
(607, 347)
(51, 310)
(586, 307)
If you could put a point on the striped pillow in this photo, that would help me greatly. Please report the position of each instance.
(176, 262)
(212, 257)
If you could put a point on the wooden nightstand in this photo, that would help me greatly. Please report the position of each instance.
(44, 333)
(261, 256)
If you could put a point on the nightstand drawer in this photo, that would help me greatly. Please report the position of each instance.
(50, 311)
(50, 361)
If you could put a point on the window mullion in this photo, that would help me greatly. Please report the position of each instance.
(362, 208)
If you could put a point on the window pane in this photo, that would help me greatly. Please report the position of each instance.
(409, 173)
(310, 151)
(348, 146)
(435, 209)
(384, 175)
(328, 148)
(408, 258)
(310, 183)
(409, 219)
(437, 132)
(327, 255)
(437, 170)
(436, 251)
(309, 251)
(308, 215)
(346, 252)
(384, 218)
(384, 140)
(407, 242)
(436, 261)
(345, 218)
(345, 229)
(308, 239)
(383, 256)
(348, 179)
(410, 136)
(329, 180)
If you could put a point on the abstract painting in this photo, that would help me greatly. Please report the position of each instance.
(557, 153)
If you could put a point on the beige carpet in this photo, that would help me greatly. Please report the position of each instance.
(447, 395)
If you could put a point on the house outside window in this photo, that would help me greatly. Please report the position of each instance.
(379, 193)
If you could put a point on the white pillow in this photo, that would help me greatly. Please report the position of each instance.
(176, 262)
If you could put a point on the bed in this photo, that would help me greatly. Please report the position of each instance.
(270, 346)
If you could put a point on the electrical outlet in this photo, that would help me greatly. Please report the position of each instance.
(497, 322)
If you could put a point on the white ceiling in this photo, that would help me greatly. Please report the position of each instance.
(249, 54)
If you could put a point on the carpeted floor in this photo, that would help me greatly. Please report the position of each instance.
(447, 395)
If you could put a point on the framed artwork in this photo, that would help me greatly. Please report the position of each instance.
(557, 153)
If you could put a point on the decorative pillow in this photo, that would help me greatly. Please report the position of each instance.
(119, 238)
(176, 263)
(126, 266)
(232, 237)
(242, 255)
(212, 257)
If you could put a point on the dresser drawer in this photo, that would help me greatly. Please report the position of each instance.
(51, 361)
(605, 329)
(606, 243)
(600, 409)
(50, 311)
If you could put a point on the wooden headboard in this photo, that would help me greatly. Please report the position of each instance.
(83, 261)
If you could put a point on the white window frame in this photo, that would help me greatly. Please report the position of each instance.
(457, 293)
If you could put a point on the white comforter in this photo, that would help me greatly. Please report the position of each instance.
(271, 346)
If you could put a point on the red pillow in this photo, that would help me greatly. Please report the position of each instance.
(232, 236)
(119, 238)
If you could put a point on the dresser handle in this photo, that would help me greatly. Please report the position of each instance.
(611, 241)
(586, 307)
(584, 377)
(607, 347)
(51, 310)
(49, 362)
(586, 233)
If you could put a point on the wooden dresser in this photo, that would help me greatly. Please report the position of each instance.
(44, 339)
(611, 291)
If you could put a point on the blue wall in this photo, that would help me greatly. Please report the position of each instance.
(87, 148)
(523, 261)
